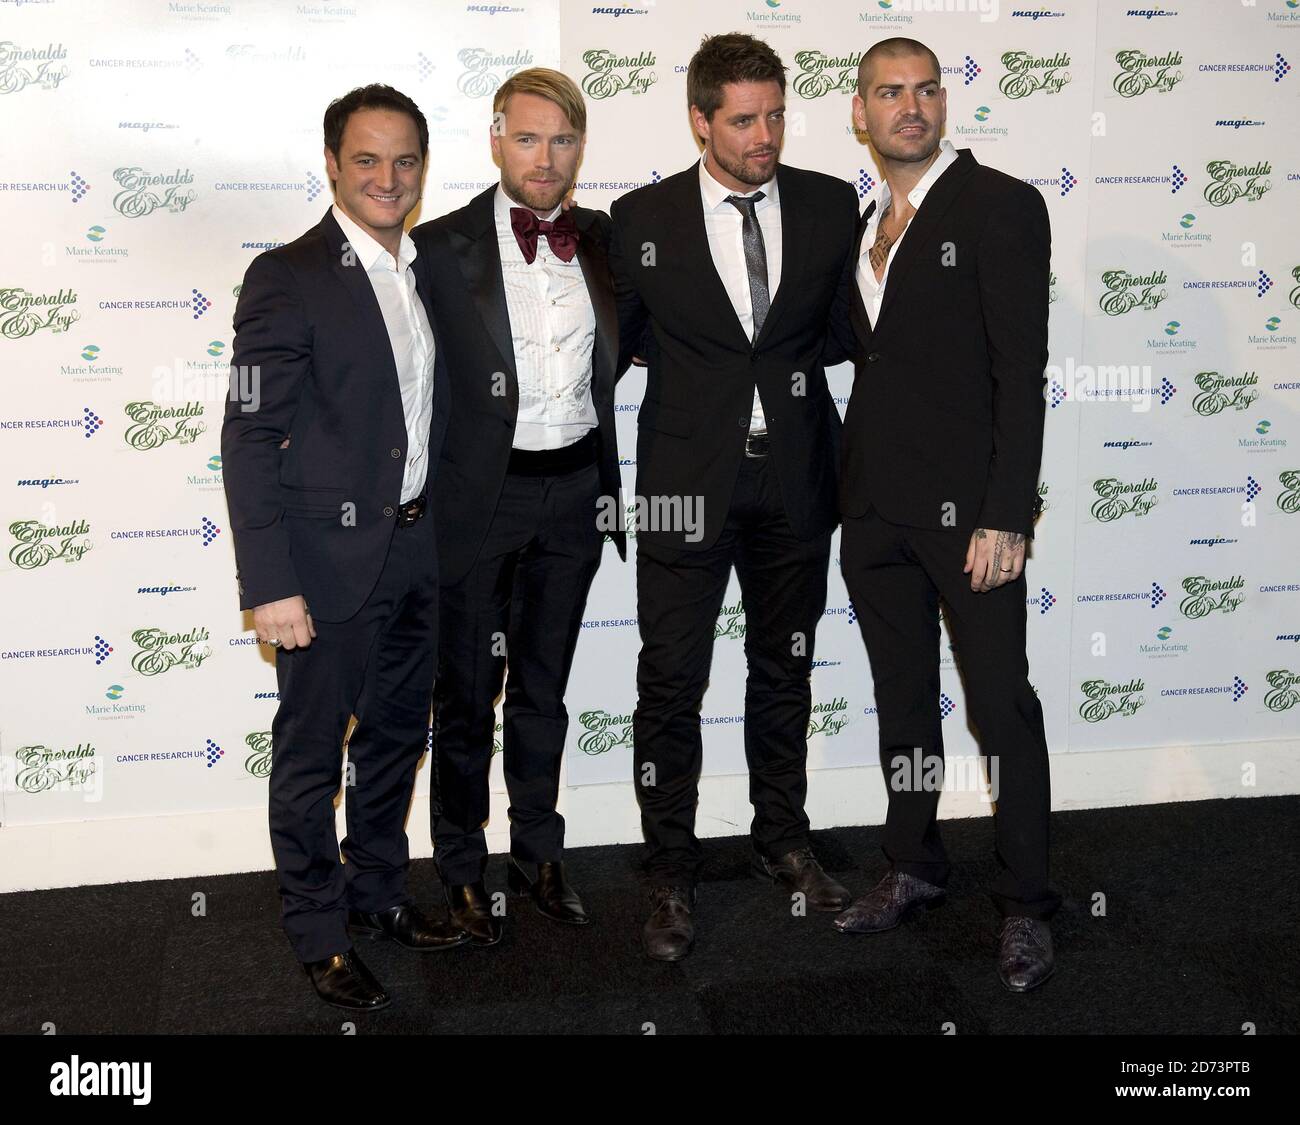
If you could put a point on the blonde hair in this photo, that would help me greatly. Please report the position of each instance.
(549, 84)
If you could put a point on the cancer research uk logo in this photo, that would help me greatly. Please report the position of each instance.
(1140, 72)
(1102, 699)
(485, 71)
(41, 67)
(611, 73)
(1230, 182)
(1117, 498)
(160, 651)
(42, 768)
(143, 192)
(1124, 291)
(37, 545)
(153, 425)
(602, 732)
(23, 313)
(1028, 73)
(1210, 595)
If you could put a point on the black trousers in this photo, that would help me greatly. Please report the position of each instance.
(520, 604)
(896, 576)
(679, 594)
(379, 666)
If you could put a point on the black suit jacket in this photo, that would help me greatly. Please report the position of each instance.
(702, 369)
(947, 405)
(462, 266)
(316, 518)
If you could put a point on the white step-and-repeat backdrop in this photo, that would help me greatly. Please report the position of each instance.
(151, 149)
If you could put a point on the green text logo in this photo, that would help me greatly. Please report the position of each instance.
(1284, 695)
(258, 762)
(42, 768)
(161, 651)
(601, 731)
(153, 425)
(37, 545)
(1208, 595)
(820, 73)
(1028, 73)
(1223, 187)
(1102, 699)
(1218, 392)
(613, 73)
(23, 313)
(1140, 72)
(1127, 291)
(1116, 498)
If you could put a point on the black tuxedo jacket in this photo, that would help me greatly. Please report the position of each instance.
(462, 267)
(947, 405)
(702, 369)
(316, 517)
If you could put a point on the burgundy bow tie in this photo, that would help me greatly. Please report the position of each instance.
(561, 234)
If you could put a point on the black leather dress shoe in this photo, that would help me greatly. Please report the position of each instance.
(669, 932)
(551, 895)
(1025, 955)
(471, 911)
(799, 872)
(342, 980)
(407, 926)
(896, 897)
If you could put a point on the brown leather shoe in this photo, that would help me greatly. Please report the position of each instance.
(896, 897)
(800, 873)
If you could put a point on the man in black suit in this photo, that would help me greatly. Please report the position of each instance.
(725, 275)
(523, 293)
(327, 465)
(947, 320)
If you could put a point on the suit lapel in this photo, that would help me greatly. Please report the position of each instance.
(595, 271)
(699, 258)
(917, 239)
(794, 249)
(860, 318)
(351, 273)
(475, 246)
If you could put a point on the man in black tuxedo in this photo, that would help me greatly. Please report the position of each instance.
(725, 275)
(523, 293)
(946, 318)
(327, 466)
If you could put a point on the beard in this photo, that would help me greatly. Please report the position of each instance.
(539, 197)
(914, 150)
(743, 170)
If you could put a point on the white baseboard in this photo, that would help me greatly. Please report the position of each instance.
(79, 853)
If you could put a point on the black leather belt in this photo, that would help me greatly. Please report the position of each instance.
(554, 462)
(756, 444)
(411, 511)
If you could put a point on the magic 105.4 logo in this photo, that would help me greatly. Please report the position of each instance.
(37, 545)
(1103, 700)
(602, 732)
(23, 313)
(611, 73)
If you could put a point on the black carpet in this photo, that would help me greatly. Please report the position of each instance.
(1198, 935)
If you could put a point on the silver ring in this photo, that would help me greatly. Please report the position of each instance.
(274, 642)
(1007, 571)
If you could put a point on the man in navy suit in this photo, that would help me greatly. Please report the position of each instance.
(327, 468)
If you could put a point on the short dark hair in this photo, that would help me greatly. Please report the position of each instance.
(374, 96)
(734, 57)
(898, 47)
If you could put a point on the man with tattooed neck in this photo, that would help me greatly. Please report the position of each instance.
(946, 320)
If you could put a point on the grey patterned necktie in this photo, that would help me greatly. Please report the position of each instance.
(755, 256)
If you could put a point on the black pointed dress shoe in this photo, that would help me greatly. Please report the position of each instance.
(344, 981)
(1025, 955)
(471, 911)
(897, 897)
(800, 873)
(669, 932)
(551, 894)
(408, 926)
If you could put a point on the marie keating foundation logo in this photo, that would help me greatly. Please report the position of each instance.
(1126, 291)
(1285, 692)
(43, 768)
(1028, 73)
(820, 73)
(258, 762)
(36, 545)
(1288, 500)
(1117, 498)
(160, 651)
(22, 67)
(142, 193)
(1210, 595)
(730, 623)
(1222, 392)
(1230, 182)
(1102, 699)
(485, 71)
(23, 313)
(153, 425)
(612, 73)
(829, 718)
(1140, 72)
(602, 732)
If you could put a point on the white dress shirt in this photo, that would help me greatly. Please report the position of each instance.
(724, 223)
(873, 291)
(410, 337)
(553, 330)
